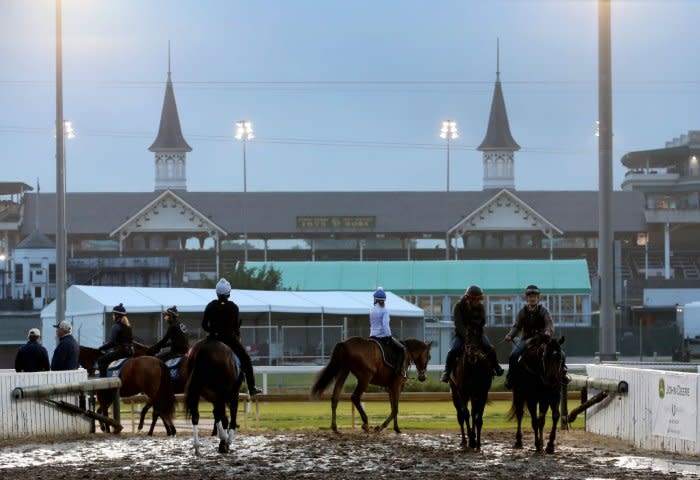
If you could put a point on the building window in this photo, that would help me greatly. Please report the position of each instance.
(19, 273)
(37, 292)
(52, 273)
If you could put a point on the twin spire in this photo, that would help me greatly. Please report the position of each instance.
(170, 147)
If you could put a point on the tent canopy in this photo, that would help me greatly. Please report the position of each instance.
(496, 277)
(82, 299)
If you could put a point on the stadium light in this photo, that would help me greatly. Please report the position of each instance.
(244, 132)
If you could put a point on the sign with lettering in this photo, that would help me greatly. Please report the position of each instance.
(336, 223)
(676, 406)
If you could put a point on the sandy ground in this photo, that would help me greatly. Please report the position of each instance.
(324, 455)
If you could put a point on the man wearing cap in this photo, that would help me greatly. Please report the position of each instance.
(175, 337)
(222, 322)
(67, 353)
(32, 357)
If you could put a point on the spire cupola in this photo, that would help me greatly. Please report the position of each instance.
(498, 146)
(170, 147)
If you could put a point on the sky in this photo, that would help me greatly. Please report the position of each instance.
(343, 95)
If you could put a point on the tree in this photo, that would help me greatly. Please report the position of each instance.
(252, 278)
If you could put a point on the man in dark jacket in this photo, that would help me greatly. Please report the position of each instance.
(222, 322)
(66, 356)
(32, 357)
(175, 337)
(469, 316)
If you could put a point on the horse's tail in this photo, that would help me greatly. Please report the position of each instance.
(166, 393)
(517, 404)
(192, 387)
(330, 371)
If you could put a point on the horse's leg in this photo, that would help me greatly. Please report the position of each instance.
(457, 402)
(221, 422)
(154, 421)
(468, 418)
(535, 421)
(233, 408)
(356, 397)
(519, 406)
(142, 417)
(337, 389)
(554, 405)
(478, 412)
(394, 391)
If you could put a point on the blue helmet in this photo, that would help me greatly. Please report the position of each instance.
(380, 294)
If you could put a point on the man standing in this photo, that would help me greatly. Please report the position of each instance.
(66, 356)
(32, 357)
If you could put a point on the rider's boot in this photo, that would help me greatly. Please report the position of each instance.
(445, 377)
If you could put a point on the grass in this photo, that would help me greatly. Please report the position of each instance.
(314, 415)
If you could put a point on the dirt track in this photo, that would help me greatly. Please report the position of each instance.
(326, 455)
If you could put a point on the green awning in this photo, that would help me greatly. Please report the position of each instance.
(451, 277)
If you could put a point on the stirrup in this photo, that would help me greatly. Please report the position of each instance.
(254, 391)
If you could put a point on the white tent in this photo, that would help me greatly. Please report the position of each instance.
(87, 306)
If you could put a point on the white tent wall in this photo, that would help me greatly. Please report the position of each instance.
(277, 326)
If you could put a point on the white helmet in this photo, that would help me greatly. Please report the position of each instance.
(223, 287)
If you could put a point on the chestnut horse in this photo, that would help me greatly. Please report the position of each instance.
(150, 376)
(538, 384)
(363, 358)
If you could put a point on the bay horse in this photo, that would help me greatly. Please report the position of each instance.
(363, 358)
(214, 375)
(178, 387)
(470, 384)
(538, 384)
(150, 376)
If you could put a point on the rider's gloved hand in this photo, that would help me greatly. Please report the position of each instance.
(508, 338)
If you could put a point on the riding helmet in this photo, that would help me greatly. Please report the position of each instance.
(380, 294)
(532, 290)
(474, 292)
(172, 311)
(119, 310)
(223, 287)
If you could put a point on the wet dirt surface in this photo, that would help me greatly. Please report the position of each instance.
(324, 455)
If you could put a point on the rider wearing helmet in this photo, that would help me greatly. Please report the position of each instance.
(469, 316)
(533, 320)
(223, 323)
(175, 337)
(380, 329)
(121, 340)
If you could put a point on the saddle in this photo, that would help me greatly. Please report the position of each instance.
(115, 367)
(389, 355)
(173, 365)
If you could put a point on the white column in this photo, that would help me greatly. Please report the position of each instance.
(667, 252)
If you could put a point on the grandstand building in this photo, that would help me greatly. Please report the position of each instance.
(172, 237)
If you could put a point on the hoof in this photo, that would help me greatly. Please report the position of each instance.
(549, 449)
(223, 447)
(365, 427)
(397, 430)
(518, 445)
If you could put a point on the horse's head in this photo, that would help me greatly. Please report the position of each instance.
(473, 353)
(419, 354)
(552, 360)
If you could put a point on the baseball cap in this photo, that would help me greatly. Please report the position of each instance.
(64, 325)
(33, 332)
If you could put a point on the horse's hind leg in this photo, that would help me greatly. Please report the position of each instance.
(536, 424)
(337, 389)
(356, 396)
(519, 412)
(142, 418)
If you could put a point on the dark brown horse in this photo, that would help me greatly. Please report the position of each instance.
(470, 384)
(150, 376)
(362, 358)
(214, 375)
(538, 384)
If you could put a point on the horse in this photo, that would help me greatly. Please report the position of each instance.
(538, 384)
(363, 358)
(178, 387)
(214, 375)
(148, 375)
(89, 356)
(470, 383)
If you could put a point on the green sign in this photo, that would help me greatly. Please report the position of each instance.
(336, 222)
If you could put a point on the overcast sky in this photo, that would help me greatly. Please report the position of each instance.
(344, 95)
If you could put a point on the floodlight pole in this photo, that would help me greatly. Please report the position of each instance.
(60, 178)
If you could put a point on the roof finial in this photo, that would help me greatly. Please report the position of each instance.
(169, 59)
(498, 58)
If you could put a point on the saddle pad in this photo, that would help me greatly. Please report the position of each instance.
(174, 362)
(116, 365)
